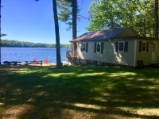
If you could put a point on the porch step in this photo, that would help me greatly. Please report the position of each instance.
(70, 58)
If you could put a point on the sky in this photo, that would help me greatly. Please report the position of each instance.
(31, 21)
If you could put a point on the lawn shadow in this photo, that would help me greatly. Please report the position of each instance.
(88, 92)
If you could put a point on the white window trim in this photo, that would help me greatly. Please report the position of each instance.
(123, 46)
(83, 44)
(100, 47)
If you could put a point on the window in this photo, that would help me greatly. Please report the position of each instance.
(121, 46)
(98, 47)
(143, 46)
(84, 47)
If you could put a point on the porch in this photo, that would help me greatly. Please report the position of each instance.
(72, 57)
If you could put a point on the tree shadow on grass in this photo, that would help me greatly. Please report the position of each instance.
(98, 92)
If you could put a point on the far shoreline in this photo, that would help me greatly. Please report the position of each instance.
(31, 47)
(15, 43)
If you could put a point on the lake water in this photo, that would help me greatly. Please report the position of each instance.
(28, 54)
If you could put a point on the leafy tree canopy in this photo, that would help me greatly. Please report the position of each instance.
(138, 14)
(66, 11)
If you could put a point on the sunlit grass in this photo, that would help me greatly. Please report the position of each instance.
(122, 74)
(141, 111)
(58, 74)
(90, 74)
(95, 92)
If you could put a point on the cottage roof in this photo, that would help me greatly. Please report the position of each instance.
(101, 35)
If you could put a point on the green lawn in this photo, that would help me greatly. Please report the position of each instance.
(92, 92)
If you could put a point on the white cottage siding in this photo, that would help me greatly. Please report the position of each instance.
(124, 58)
(109, 54)
(131, 58)
(90, 55)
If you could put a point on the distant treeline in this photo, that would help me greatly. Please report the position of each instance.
(14, 43)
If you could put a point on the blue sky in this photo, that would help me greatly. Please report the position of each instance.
(27, 20)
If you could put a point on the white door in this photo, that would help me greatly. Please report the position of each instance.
(153, 52)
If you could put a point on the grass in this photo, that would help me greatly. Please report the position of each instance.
(88, 92)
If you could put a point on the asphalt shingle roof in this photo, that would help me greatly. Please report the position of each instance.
(100, 35)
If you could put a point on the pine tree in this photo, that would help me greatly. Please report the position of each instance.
(68, 14)
(0, 34)
(58, 57)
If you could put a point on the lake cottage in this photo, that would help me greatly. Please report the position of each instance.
(119, 46)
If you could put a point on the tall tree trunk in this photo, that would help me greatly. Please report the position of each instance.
(58, 56)
(156, 18)
(0, 36)
(74, 19)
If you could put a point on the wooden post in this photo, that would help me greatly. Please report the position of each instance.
(73, 49)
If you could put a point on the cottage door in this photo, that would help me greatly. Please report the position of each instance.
(153, 52)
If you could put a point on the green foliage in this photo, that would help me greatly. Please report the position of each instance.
(66, 11)
(14, 43)
(137, 14)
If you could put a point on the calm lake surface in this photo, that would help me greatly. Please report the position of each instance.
(28, 54)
